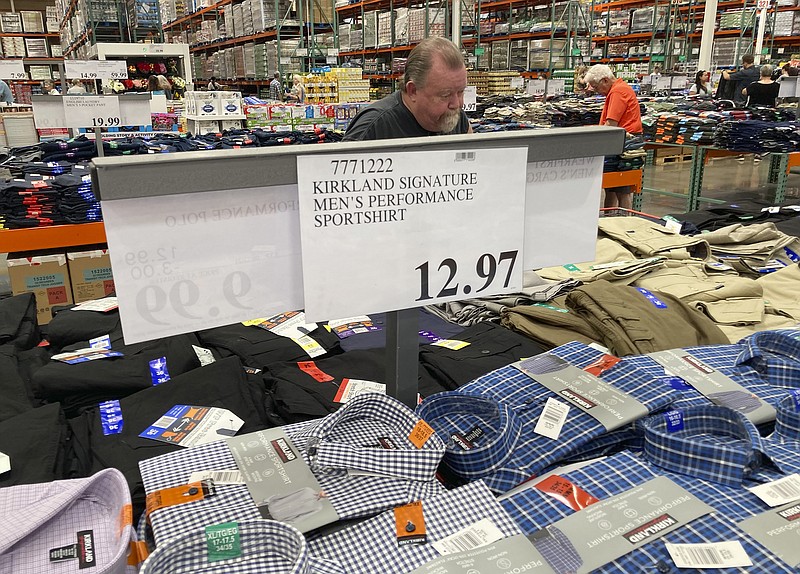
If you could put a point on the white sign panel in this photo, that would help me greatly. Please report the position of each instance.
(663, 83)
(12, 70)
(536, 87)
(112, 70)
(407, 229)
(555, 87)
(788, 86)
(91, 111)
(561, 210)
(470, 98)
(81, 69)
(134, 112)
(174, 273)
(49, 114)
(518, 82)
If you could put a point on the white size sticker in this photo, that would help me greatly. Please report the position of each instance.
(552, 419)
(673, 225)
(479, 534)
(103, 305)
(80, 69)
(83, 111)
(470, 98)
(12, 70)
(451, 344)
(310, 346)
(102, 342)
(173, 274)
(350, 388)
(779, 492)
(422, 206)
(709, 555)
(218, 476)
(205, 356)
(5, 463)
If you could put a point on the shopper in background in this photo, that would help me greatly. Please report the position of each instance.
(49, 89)
(700, 86)
(430, 101)
(77, 87)
(743, 78)
(213, 84)
(276, 88)
(764, 92)
(621, 109)
(5, 93)
(164, 84)
(298, 92)
(580, 79)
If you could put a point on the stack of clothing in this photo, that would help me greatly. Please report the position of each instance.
(681, 129)
(572, 113)
(632, 158)
(758, 136)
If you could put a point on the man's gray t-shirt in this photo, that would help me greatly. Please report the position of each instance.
(390, 118)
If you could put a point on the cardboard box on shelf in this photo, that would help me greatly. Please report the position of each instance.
(46, 275)
(90, 274)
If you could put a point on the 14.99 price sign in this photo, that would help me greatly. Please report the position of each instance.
(406, 229)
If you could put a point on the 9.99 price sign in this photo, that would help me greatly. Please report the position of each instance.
(397, 230)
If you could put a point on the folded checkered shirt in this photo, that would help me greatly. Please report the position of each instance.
(775, 355)
(38, 518)
(331, 446)
(265, 547)
(534, 510)
(505, 405)
(371, 547)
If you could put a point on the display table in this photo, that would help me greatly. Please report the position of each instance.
(52, 237)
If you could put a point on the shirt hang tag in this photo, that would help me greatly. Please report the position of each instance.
(353, 387)
(310, 346)
(85, 355)
(178, 495)
(410, 524)
(563, 490)
(420, 434)
(779, 492)
(312, 370)
(102, 342)
(552, 419)
(710, 555)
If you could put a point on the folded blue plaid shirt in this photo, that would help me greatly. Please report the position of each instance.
(534, 510)
(775, 355)
(332, 446)
(504, 406)
(371, 547)
(264, 547)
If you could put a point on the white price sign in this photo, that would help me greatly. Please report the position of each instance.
(112, 70)
(397, 230)
(12, 70)
(92, 111)
(333, 51)
(536, 87)
(470, 98)
(556, 87)
(81, 69)
(518, 82)
(174, 275)
(664, 83)
(331, 60)
(301, 52)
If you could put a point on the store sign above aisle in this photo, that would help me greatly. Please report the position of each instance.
(12, 70)
(187, 263)
(398, 230)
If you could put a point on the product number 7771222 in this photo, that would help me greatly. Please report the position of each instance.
(485, 268)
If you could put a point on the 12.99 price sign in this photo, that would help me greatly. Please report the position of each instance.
(406, 229)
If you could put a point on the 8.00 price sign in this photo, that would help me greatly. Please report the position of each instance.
(406, 229)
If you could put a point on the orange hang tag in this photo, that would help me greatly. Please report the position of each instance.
(601, 365)
(178, 495)
(410, 524)
(125, 518)
(137, 552)
(312, 370)
(420, 434)
(563, 490)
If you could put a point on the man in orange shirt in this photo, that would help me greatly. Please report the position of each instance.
(621, 109)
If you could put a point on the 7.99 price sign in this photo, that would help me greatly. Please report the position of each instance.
(397, 230)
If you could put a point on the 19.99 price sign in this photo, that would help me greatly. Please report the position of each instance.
(91, 111)
(406, 229)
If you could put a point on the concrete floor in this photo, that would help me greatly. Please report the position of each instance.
(724, 178)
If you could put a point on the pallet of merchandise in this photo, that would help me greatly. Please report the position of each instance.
(663, 156)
